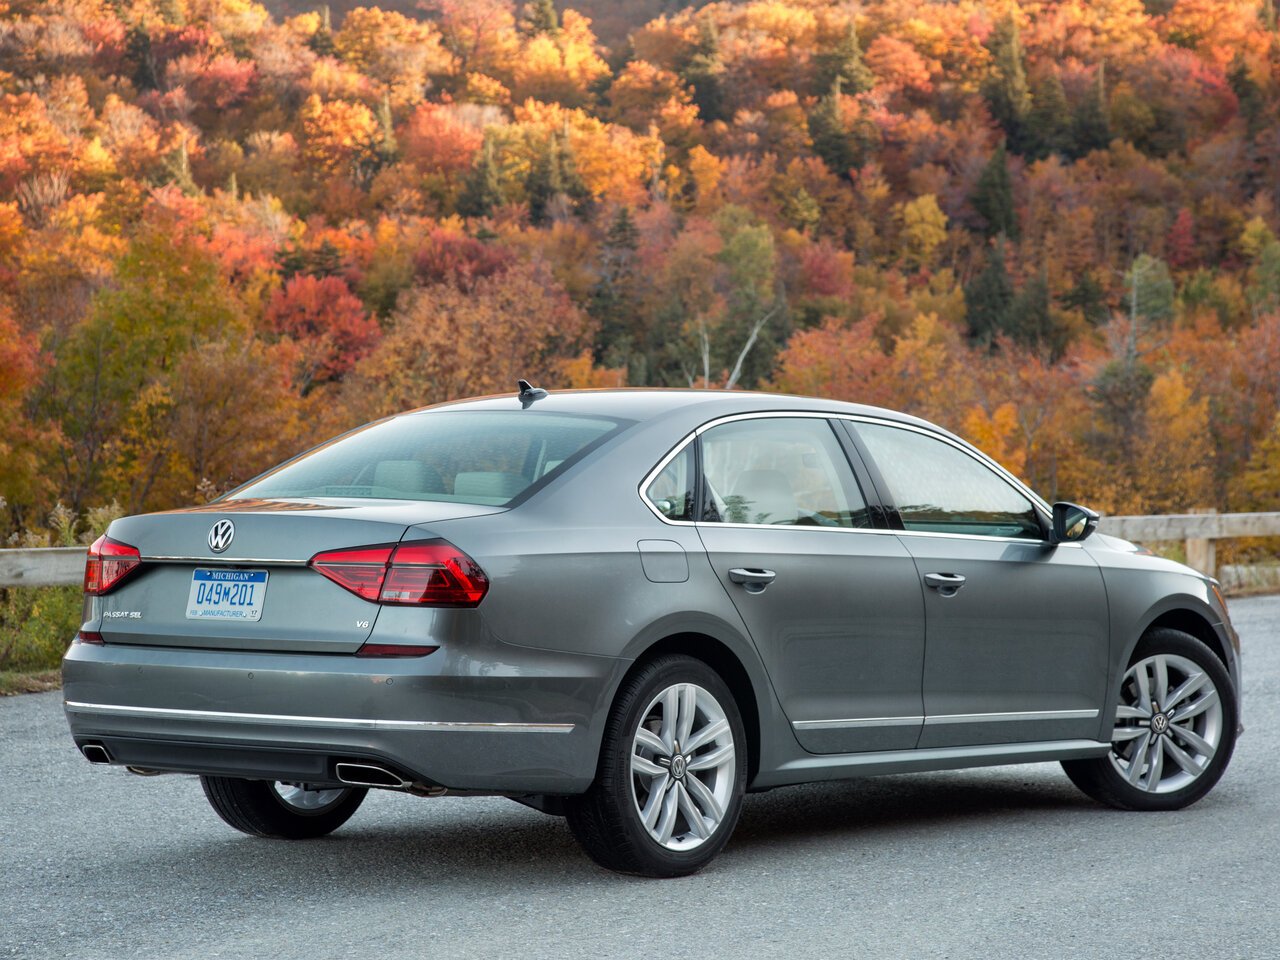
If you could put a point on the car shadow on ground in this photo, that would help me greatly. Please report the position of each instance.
(402, 843)
(886, 805)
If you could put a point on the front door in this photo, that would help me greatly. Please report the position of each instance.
(1016, 636)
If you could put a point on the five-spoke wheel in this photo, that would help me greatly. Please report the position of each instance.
(1174, 731)
(672, 772)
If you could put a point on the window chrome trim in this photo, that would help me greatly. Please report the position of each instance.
(287, 720)
(973, 452)
(1027, 715)
(857, 723)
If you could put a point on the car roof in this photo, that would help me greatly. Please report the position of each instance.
(640, 404)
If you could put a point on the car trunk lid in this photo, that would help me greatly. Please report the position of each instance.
(268, 598)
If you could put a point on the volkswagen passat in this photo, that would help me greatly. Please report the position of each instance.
(632, 607)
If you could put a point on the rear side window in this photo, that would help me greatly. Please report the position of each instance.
(474, 456)
(779, 471)
(671, 491)
(938, 488)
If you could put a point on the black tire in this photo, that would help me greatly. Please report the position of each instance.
(606, 820)
(1102, 779)
(256, 807)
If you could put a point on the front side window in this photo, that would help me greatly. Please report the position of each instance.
(779, 471)
(939, 488)
(462, 456)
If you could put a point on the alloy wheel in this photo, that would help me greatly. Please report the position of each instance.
(683, 761)
(1169, 724)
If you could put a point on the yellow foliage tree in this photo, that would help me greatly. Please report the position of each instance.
(924, 229)
(561, 67)
(998, 435)
(336, 133)
(1173, 468)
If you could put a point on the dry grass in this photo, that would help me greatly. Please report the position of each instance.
(14, 682)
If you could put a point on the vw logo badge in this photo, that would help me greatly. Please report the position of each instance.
(220, 535)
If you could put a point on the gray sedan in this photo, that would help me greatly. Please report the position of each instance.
(629, 608)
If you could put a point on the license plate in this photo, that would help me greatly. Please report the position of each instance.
(227, 594)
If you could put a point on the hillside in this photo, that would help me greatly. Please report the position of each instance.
(1050, 225)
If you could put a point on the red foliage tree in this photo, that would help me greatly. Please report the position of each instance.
(455, 258)
(326, 322)
(1181, 248)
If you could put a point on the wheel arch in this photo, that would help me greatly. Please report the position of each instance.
(731, 670)
(1192, 622)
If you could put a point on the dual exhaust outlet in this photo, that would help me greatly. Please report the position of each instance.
(348, 772)
(375, 775)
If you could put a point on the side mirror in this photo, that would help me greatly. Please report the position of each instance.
(1072, 523)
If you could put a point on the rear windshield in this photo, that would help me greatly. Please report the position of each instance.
(482, 457)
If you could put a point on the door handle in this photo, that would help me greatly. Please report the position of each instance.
(755, 580)
(947, 584)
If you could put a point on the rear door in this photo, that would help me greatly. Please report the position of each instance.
(833, 605)
(1017, 635)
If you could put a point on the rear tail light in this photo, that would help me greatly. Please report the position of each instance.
(90, 636)
(107, 564)
(428, 573)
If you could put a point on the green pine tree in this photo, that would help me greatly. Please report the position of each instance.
(704, 72)
(1049, 122)
(988, 300)
(843, 63)
(544, 182)
(1005, 89)
(138, 52)
(1253, 104)
(614, 302)
(321, 41)
(540, 17)
(1033, 322)
(1091, 125)
(481, 192)
(1150, 291)
(1089, 297)
(831, 141)
(993, 197)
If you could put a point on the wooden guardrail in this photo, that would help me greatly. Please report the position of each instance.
(42, 566)
(1198, 531)
(54, 566)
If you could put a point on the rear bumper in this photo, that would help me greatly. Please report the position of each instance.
(526, 721)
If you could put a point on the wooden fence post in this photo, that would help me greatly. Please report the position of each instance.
(1202, 555)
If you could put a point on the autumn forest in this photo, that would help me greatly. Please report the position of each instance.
(230, 230)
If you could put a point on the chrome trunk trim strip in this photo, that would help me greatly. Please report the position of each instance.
(218, 716)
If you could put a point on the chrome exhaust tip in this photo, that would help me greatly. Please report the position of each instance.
(370, 775)
(95, 753)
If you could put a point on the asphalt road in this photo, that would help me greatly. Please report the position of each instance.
(1000, 863)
